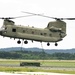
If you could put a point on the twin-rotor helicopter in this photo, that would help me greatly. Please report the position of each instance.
(54, 32)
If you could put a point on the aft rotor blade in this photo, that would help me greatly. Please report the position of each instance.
(67, 18)
(49, 16)
(39, 15)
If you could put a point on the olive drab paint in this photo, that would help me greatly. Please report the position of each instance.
(54, 32)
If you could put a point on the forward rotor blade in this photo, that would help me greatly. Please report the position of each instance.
(23, 16)
(6, 18)
(15, 17)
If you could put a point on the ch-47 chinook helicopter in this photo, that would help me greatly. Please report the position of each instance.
(54, 32)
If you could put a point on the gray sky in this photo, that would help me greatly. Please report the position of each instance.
(52, 8)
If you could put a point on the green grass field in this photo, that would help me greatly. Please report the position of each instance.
(46, 66)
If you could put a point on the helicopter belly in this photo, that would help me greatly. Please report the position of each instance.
(14, 33)
(37, 37)
(32, 37)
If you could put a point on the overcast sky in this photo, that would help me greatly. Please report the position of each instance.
(52, 8)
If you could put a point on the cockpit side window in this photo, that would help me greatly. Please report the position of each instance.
(13, 30)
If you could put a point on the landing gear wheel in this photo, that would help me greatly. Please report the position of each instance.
(56, 44)
(48, 44)
(32, 41)
(19, 42)
(25, 42)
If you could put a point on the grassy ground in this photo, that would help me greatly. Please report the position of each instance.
(46, 66)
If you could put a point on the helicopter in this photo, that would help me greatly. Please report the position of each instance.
(54, 32)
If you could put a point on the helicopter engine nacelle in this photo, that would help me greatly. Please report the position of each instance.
(55, 29)
(57, 26)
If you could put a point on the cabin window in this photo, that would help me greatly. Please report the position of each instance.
(41, 34)
(50, 35)
(13, 30)
(23, 31)
(32, 32)
(45, 34)
(5, 28)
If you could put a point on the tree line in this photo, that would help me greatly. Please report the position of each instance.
(36, 55)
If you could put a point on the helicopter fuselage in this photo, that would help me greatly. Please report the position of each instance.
(31, 33)
(54, 32)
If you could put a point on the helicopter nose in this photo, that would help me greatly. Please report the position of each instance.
(0, 32)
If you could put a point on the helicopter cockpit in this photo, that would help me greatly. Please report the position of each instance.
(6, 22)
